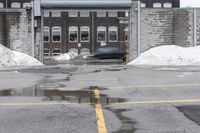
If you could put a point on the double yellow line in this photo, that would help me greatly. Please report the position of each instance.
(99, 113)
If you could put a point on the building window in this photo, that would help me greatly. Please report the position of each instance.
(167, 5)
(157, 5)
(15, 5)
(46, 13)
(85, 34)
(101, 34)
(46, 34)
(143, 5)
(101, 14)
(1, 5)
(56, 52)
(85, 51)
(56, 14)
(113, 34)
(73, 34)
(73, 14)
(56, 34)
(46, 52)
(84, 14)
(27, 4)
(112, 14)
(126, 33)
(127, 14)
(74, 51)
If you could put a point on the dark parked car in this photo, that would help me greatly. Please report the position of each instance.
(110, 53)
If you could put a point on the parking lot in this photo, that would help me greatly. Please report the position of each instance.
(100, 99)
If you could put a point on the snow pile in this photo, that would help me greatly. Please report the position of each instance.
(14, 58)
(169, 55)
(66, 56)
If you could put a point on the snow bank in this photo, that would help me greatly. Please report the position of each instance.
(14, 58)
(169, 55)
(63, 57)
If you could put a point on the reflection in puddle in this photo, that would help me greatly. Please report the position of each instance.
(79, 96)
(127, 123)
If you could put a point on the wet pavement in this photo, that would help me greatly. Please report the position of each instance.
(134, 100)
(192, 112)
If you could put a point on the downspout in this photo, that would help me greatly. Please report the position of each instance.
(195, 28)
(138, 29)
(32, 30)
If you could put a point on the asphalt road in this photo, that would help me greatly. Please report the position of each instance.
(100, 99)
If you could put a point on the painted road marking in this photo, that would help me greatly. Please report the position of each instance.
(117, 103)
(100, 119)
(154, 86)
(99, 114)
(96, 93)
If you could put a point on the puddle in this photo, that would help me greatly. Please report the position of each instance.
(50, 93)
(192, 112)
(51, 70)
(127, 123)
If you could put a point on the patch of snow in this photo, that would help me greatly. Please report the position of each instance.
(14, 58)
(66, 56)
(169, 55)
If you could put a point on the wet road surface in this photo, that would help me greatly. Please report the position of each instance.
(94, 99)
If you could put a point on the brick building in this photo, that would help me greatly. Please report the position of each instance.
(83, 27)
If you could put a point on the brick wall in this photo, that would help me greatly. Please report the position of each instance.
(163, 27)
(15, 29)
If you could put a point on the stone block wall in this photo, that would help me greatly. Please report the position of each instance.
(173, 26)
(15, 30)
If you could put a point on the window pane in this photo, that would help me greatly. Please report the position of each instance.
(56, 33)
(84, 14)
(1, 5)
(46, 52)
(112, 34)
(25, 5)
(157, 5)
(56, 14)
(85, 51)
(15, 5)
(101, 34)
(143, 5)
(56, 52)
(46, 14)
(112, 14)
(101, 14)
(73, 34)
(126, 30)
(167, 5)
(126, 14)
(46, 34)
(85, 34)
(73, 14)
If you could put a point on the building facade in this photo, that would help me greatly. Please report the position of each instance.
(83, 29)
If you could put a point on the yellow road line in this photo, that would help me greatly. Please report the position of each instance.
(100, 119)
(99, 113)
(154, 86)
(96, 94)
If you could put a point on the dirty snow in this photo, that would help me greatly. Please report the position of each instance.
(169, 55)
(14, 58)
(66, 56)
